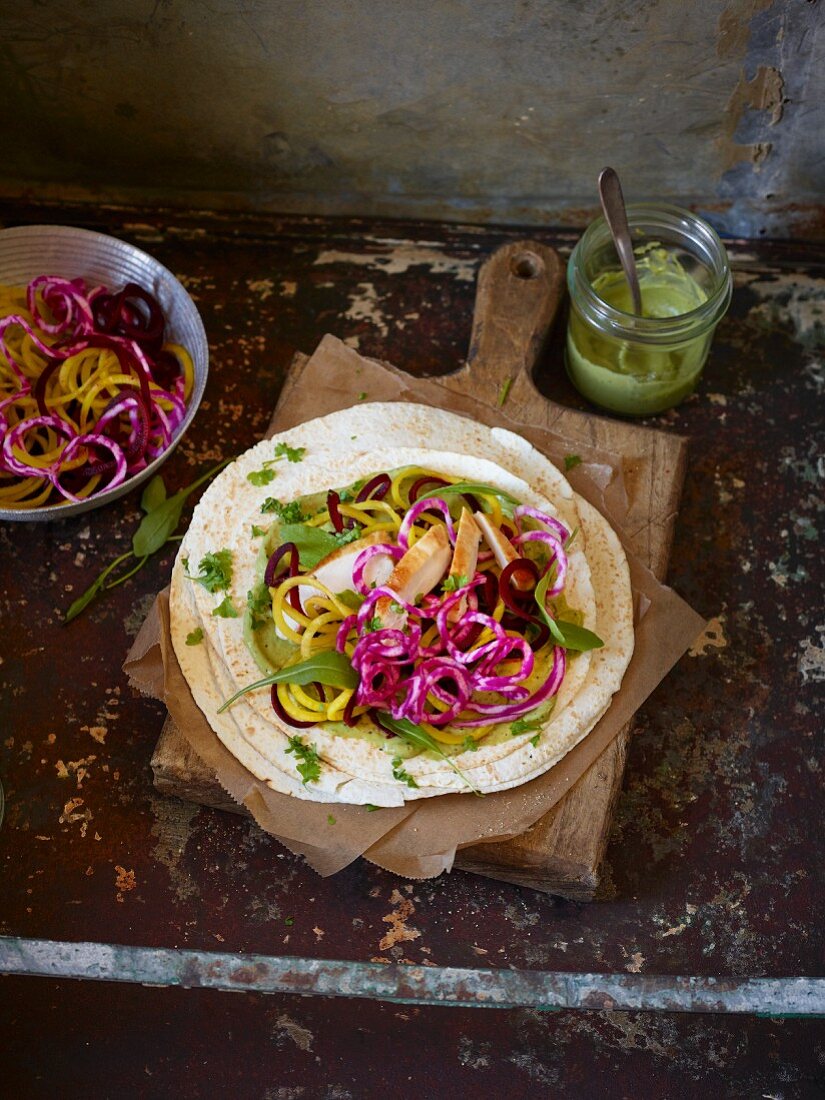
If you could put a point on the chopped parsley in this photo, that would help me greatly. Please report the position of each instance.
(286, 513)
(225, 609)
(291, 454)
(307, 760)
(195, 637)
(362, 396)
(454, 581)
(524, 725)
(535, 740)
(469, 744)
(396, 607)
(572, 461)
(348, 535)
(257, 531)
(399, 773)
(373, 624)
(214, 571)
(368, 806)
(266, 474)
(261, 477)
(504, 391)
(330, 819)
(289, 921)
(259, 603)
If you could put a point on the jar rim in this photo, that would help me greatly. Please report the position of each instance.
(654, 329)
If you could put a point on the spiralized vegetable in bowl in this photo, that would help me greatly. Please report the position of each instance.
(91, 391)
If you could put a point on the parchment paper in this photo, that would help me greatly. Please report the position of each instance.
(420, 840)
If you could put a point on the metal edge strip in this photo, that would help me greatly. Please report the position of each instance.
(445, 986)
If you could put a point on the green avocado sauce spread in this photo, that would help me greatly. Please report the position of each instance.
(272, 652)
(635, 377)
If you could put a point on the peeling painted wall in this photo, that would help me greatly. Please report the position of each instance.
(485, 110)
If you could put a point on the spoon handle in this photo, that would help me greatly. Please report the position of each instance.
(610, 193)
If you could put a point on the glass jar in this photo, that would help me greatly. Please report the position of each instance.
(642, 365)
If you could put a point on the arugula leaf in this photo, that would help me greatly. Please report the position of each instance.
(328, 667)
(469, 487)
(261, 477)
(454, 581)
(286, 513)
(154, 494)
(308, 762)
(313, 543)
(572, 461)
(350, 598)
(83, 601)
(225, 609)
(291, 454)
(157, 525)
(415, 735)
(195, 637)
(399, 773)
(214, 571)
(567, 635)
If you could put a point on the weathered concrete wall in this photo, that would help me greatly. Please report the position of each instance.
(498, 110)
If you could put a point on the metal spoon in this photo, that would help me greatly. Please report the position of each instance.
(610, 193)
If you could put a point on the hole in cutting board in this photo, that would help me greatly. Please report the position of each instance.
(526, 265)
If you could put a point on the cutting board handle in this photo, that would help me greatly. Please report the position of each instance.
(519, 291)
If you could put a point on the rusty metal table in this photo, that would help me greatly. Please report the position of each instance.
(714, 859)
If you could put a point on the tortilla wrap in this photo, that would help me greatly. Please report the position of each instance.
(355, 444)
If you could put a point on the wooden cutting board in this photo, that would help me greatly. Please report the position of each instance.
(519, 291)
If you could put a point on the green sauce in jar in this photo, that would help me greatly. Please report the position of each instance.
(642, 365)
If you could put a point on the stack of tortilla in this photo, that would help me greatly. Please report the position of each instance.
(340, 449)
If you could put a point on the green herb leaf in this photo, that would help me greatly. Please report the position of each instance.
(330, 819)
(259, 605)
(469, 487)
(83, 601)
(307, 761)
(469, 744)
(157, 525)
(289, 921)
(570, 537)
(350, 598)
(396, 607)
(261, 477)
(291, 454)
(195, 637)
(154, 494)
(350, 534)
(454, 581)
(328, 667)
(504, 391)
(567, 635)
(415, 735)
(286, 513)
(368, 806)
(313, 544)
(524, 725)
(362, 396)
(371, 625)
(225, 609)
(572, 461)
(215, 571)
(257, 532)
(399, 773)
(535, 740)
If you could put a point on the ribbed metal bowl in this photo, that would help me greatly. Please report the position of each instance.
(30, 250)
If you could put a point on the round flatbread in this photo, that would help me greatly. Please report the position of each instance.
(339, 449)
